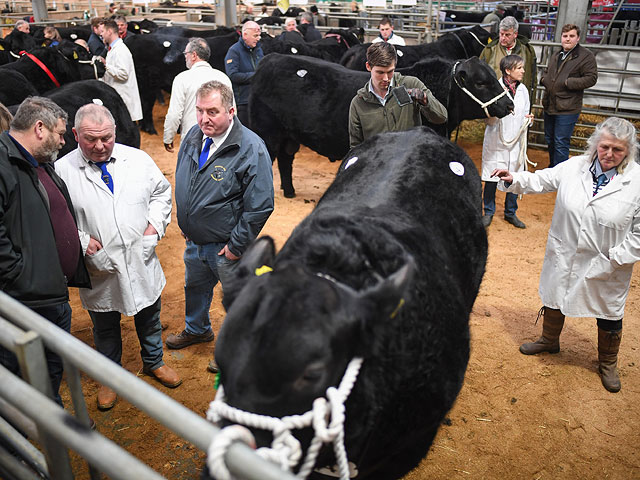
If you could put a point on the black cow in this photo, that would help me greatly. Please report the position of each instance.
(332, 47)
(74, 95)
(386, 268)
(464, 43)
(470, 16)
(14, 43)
(15, 87)
(158, 58)
(323, 91)
(67, 62)
(189, 33)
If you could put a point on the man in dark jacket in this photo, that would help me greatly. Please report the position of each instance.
(308, 29)
(571, 70)
(241, 63)
(224, 196)
(40, 251)
(96, 45)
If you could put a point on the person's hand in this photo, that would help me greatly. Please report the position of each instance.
(184, 236)
(169, 147)
(93, 247)
(529, 115)
(102, 60)
(502, 174)
(418, 95)
(227, 253)
(150, 230)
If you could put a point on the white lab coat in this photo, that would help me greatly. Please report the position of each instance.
(494, 153)
(593, 242)
(121, 75)
(126, 275)
(394, 40)
(182, 107)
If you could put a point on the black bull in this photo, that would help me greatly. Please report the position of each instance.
(297, 100)
(386, 268)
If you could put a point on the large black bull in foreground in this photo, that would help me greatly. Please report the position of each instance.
(319, 117)
(386, 269)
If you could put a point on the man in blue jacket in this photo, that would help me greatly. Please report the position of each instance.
(224, 196)
(241, 63)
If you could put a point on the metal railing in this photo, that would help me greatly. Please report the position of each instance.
(30, 407)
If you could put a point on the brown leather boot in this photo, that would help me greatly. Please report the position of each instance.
(550, 339)
(608, 347)
(166, 375)
(106, 398)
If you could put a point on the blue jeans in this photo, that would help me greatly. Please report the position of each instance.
(59, 315)
(557, 133)
(489, 200)
(107, 335)
(204, 268)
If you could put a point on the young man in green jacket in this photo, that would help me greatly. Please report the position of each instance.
(390, 102)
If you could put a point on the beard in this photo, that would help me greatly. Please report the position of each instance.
(48, 151)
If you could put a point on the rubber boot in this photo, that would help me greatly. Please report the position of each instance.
(608, 346)
(550, 340)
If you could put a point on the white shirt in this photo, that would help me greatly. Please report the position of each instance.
(121, 75)
(126, 275)
(394, 40)
(217, 141)
(182, 106)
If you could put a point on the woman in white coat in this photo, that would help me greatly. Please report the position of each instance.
(504, 141)
(593, 242)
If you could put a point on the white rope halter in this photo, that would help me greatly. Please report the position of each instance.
(477, 39)
(326, 417)
(473, 97)
(93, 61)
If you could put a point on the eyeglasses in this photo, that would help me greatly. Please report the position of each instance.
(186, 53)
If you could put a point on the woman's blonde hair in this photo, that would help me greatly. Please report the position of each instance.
(5, 118)
(621, 130)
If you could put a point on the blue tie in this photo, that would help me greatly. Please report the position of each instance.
(204, 156)
(600, 181)
(106, 176)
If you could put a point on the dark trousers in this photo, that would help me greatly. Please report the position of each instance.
(59, 315)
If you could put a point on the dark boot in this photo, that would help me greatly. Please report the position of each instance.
(550, 339)
(608, 346)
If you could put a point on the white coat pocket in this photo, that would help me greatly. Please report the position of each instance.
(601, 268)
(149, 243)
(100, 262)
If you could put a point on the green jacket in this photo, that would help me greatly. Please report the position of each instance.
(494, 52)
(368, 117)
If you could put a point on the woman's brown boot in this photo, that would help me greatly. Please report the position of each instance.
(550, 340)
(608, 347)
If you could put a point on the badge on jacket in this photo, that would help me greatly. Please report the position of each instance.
(229, 60)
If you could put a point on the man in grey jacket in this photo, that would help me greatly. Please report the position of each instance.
(224, 196)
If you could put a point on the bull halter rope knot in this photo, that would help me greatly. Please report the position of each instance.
(472, 96)
(326, 417)
(94, 64)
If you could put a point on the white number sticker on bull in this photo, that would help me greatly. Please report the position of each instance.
(457, 168)
(350, 162)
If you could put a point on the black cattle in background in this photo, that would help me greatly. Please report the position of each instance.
(386, 268)
(74, 95)
(15, 87)
(14, 43)
(463, 43)
(142, 26)
(68, 62)
(299, 100)
(159, 57)
(189, 33)
(470, 16)
(332, 47)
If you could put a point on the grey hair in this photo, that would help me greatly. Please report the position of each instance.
(250, 26)
(307, 17)
(622, 130)
(33, 109)
(509, 23)
(226, 95)
(200, 47)
(19, 23)
(95, 113)
(289, 20)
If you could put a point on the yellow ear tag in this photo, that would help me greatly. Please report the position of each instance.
(263, 269)
(395, 312)
(489, 41)
(1, 47)
(75, 55)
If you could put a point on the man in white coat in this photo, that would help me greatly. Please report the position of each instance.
(120, 70)
(182, 108)
(123, 206)
(594, 239)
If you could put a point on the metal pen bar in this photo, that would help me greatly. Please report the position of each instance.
(23, 447)
(29, 349)
(109, 457)
(18, 419)
(15, 468)
(243, 462)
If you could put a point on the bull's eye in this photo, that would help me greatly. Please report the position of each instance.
(311, 376)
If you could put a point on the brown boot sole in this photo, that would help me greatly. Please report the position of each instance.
(538, 348)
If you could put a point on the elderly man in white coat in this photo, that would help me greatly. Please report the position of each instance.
(120, 71)
(505, 141)
(594, 239)
(182, 107)
(123, 206)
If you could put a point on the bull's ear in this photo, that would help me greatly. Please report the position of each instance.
(383, 302)
(256, 260)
